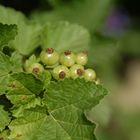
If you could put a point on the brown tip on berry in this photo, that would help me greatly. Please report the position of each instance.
(80, 72)
(62, 75)
(68, 52)
(35, 70)
(19, 135)
(49, 50)
(85, 52)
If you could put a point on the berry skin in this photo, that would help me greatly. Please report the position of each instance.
(60, 72)
(90, 75)
(49, 57)
(35, 68)
(81, 58)
(67, 58)
(76, 71)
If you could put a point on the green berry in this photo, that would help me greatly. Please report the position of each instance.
(35, 68)
(60, 72)
(90, 75)
(81, 58)
(67, 58)
(76, 71)
(49, 57)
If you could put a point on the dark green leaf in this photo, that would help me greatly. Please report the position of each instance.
(7, 33)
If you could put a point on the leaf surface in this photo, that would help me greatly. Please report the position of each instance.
(7, 33)
(64, 118)
(63, 36)
(4, 118)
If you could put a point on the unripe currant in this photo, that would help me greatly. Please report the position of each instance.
(35, 68)
(81, 58)
(67, 58)
(60, 72)
(90, 75)
(49, 57)
(76, 71)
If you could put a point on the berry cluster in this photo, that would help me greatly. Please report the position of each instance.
(64, 65)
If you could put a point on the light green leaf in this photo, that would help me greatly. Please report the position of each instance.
(4, 135)
(28, 33)
(66, 101)
(7, 66)
(101, 114)
(36, 124)
(16, 62)
(4, 80)
(7, 33)
(63, 36)
(29, 81)
(4, 118)
(19, 111)
(45, 77)
(79, 93)
(23, 89)
(28, 38)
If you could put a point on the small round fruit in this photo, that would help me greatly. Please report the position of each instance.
(35, 68)
(49, 57)
(81, 58)
(90, 75)
(67, 58)
(60, 72)
(76, 71)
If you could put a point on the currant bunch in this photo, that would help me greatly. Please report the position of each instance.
(61, 65)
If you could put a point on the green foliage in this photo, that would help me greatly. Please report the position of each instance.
(63, 36)
(65, 118)
(4, 118)
(27, 38)
(8, 65)
(40, 107)
(7, 33)
(89, 13)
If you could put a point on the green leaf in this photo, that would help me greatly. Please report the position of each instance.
(27, 39)
(79, 93)
(63, 35)
(4, 80)
(100, 114)
(70, 125)
(29, 81)
(19, 111)
(4, 135)
(7, 33)
(4, 118)
(7, 66)
(66, 101)
(45, 77)
(23, 88)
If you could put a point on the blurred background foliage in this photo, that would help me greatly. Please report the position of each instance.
(114, 53)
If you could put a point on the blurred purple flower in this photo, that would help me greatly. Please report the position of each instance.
(117, 22)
